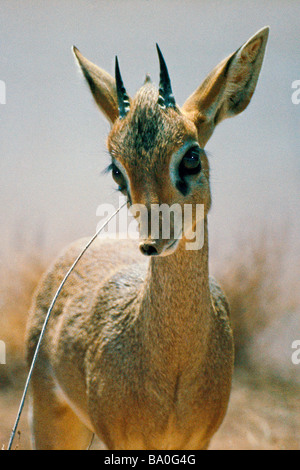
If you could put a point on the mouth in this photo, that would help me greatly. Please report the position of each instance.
(171, 248)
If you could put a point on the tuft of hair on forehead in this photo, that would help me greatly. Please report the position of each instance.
(146, 117)
(147, 129)
(145, 102)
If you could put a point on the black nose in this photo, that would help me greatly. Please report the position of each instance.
(148, 249)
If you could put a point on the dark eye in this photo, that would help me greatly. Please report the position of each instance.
(118, 177)
(191, 163)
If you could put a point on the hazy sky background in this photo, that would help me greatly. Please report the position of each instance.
(52, 136)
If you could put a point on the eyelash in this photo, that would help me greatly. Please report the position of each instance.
(108, 169)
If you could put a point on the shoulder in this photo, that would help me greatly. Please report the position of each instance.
(219, 300)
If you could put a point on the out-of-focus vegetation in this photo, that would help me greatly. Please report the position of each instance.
(19, 278)
(259, 288)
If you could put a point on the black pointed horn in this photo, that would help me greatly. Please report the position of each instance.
(166, 98)
(123, 98)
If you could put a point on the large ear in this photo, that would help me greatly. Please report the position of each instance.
(228, 89)
(102, 85)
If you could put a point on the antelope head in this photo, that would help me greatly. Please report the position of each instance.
(157, 147)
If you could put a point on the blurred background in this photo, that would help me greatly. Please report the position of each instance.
(52, 153)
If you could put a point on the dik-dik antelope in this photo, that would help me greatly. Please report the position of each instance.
(141, 353)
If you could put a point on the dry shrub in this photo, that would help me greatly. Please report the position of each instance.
(19, 278)
(258, 287)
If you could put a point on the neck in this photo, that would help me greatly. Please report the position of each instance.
(176, 301)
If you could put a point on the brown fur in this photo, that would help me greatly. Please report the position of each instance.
(141, 353)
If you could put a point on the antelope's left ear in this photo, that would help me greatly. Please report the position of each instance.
(228, 89)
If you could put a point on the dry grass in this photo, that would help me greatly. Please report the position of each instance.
(262, 415)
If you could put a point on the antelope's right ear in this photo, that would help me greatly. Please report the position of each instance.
(102, 86)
